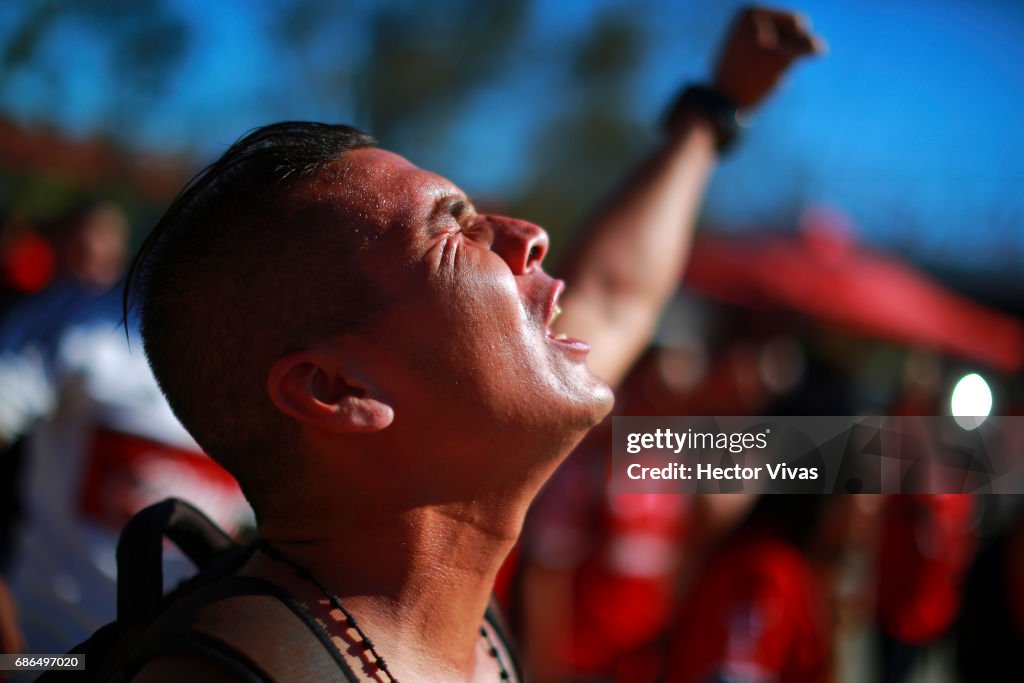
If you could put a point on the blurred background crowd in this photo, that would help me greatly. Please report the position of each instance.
(860, 252)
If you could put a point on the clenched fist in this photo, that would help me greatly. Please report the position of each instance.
(758, 49)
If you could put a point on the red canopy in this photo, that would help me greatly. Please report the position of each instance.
(823, 274)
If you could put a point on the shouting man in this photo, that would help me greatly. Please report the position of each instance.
(386, 371)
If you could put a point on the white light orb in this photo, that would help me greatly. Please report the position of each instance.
(972, 401)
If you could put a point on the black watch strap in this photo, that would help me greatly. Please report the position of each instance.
(721, 111)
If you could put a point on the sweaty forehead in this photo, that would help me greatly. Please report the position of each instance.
(381, 189)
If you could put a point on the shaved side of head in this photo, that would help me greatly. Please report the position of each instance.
(250, 262)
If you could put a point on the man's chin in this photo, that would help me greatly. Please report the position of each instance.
(598, 404)
(605, 402)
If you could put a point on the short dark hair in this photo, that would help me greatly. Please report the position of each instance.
(223, 288)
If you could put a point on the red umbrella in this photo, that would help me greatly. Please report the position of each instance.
(823, 274)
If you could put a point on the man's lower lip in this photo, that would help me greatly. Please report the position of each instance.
(570, 343)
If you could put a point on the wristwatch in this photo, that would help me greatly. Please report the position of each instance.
(719, 110)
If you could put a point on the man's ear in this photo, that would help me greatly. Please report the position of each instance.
(313, 387)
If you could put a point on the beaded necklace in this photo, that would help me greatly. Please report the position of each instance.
(350, 621)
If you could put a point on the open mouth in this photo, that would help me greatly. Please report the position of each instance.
(554, 310)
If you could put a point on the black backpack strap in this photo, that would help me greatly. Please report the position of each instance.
(248, 625)
(140, 586)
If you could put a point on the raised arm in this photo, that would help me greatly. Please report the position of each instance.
(629, 260)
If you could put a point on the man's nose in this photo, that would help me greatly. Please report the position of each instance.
(522, 244)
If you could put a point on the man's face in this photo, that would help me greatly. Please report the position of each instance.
(464, 350)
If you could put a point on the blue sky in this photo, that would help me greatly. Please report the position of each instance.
(911, 124)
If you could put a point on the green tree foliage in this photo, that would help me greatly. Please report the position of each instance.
(408, 71)
(143, 43)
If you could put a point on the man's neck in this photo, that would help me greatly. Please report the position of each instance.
(417, 580)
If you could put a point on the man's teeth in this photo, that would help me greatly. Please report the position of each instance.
(558, 312)
(561, 337)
